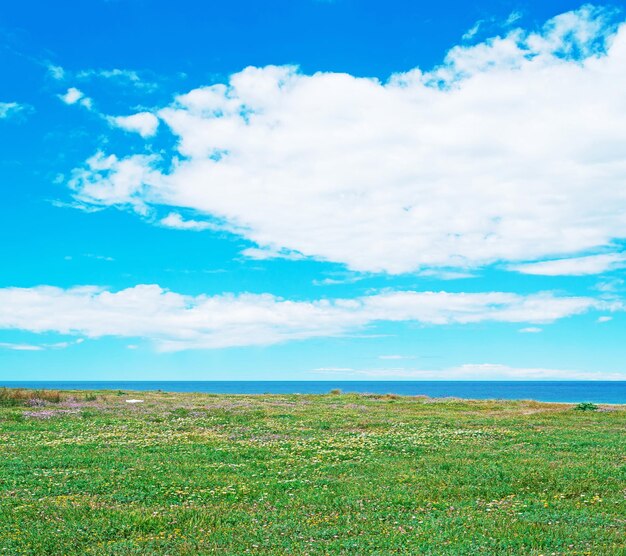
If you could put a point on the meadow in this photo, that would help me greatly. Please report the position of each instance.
(89, 473)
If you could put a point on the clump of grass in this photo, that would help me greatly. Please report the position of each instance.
(23, 396)
(392, 397)
(586, 406)
(335, 392)
(180, 412)
(89, 397)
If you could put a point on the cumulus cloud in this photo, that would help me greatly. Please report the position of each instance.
(176, 321)
(510, 151)
(74, 96)
(175, 220)
(481, 371)
(144, 123)
(576, 266)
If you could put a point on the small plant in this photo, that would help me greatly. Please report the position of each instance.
(335, 392)
(90, 397)
(180, 412)
(586, 406)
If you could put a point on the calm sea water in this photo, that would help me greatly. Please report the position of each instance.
(547, 391)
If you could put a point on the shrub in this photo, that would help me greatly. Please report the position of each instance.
(586, 406)
(335, 392)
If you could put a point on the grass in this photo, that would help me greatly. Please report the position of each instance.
(22, 396)
(336, 474)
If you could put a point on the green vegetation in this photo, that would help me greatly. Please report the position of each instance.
(336, 474)
(586, 406)
(22, 396)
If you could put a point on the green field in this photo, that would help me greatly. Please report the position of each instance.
(327, 474)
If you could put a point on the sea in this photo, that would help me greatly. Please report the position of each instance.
(609, 392)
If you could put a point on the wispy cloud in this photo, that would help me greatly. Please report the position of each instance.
(472, 31)
(91, 256)
(56, 72)
(20, 347)
(39, 347)
(472, 371)
(10, 109)
(271, 253)
(577, 266)
(122, 77)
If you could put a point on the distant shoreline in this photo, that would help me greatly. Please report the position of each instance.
(605, 392)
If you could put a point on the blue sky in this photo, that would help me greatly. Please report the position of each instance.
(312, 190)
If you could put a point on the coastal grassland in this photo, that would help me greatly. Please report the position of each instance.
(309, 474)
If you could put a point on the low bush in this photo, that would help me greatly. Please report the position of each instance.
(586, 406)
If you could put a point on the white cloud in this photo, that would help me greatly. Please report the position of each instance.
(531, 330)
(472, 31)
(604, 319)
(482, 371)
(395, 357)
(576, 266)
(119, 76)
(443, 274)
(176, 321)
(270, 253)
(56, 72)
(39, 347)
(175, 220)
(609, 287)
(511, 150)
(99, 257)
(127, 179)
(144, 123)
(116, 73)
(339, 278)
(8, 109)
(20, 347)
(333, 370)
(514, 17)
(74, 95)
